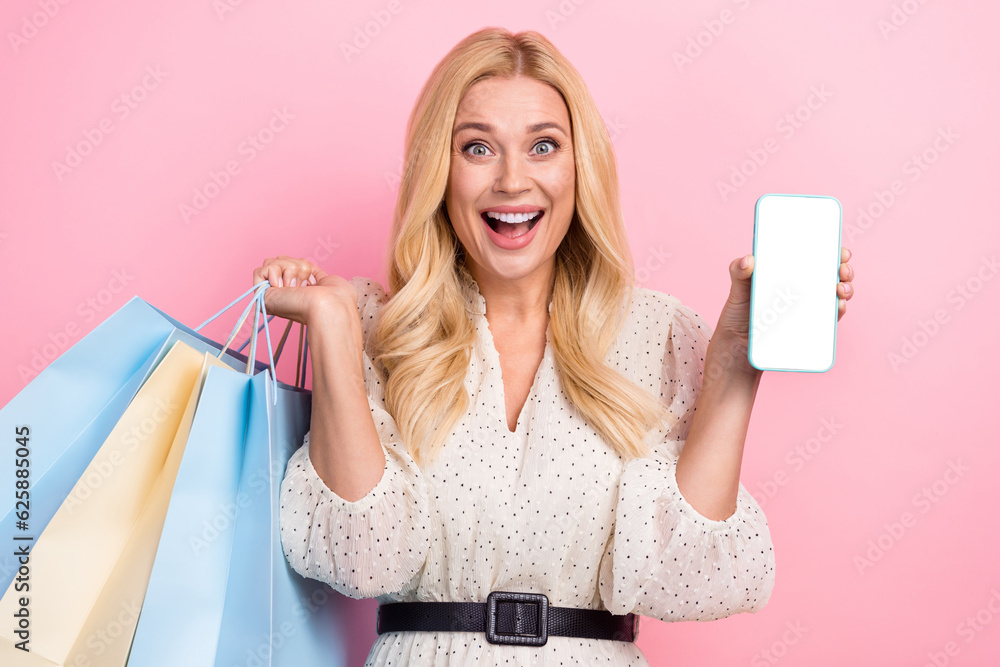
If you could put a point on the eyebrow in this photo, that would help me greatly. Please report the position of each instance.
(486, 127)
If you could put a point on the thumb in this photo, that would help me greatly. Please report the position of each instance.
(740, 276)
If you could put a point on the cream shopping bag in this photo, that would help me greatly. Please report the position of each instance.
(90, 567)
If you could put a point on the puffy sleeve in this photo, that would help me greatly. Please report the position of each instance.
(664, 559)
(372, 546)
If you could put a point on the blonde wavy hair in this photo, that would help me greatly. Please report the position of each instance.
(424, 336)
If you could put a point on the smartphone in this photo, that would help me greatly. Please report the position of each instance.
(793, 295)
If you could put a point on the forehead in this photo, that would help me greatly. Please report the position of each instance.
(512, 102)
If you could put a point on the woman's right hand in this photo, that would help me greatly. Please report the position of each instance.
(301, 291)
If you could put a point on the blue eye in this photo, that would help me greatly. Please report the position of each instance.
(553, 146)
(474, 144)
(552, 143)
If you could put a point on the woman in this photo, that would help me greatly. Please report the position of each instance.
(515, 415)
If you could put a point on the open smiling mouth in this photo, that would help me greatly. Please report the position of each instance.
(512, 225)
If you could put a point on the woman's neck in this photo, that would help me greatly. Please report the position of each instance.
(522, 300)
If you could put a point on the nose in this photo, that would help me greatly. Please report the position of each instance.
(512, 178)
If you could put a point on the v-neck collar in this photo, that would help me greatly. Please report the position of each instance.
(474, 300)
(476, 305)
(499, 406)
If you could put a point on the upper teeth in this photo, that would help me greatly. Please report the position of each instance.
(513, 217)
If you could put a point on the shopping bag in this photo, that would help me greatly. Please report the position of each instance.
(187, 586)
(97, 550)
(67, 412)
(111, 625)
(113, 563)
(220, 579)
(273, 616)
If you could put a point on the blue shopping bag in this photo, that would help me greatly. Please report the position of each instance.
(68, 410)
(220, 579)
(273, 616)
(66, 413)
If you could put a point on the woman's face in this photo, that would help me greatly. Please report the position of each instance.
(511, 187)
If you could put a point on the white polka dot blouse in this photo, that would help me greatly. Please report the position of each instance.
(549, 508)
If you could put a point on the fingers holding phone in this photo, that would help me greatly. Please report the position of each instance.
(845, 290)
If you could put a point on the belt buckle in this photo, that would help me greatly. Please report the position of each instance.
(494, 637)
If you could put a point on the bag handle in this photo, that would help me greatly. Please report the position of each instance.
(243, 317)
(302, 355)
(302, 359)
(257, 306)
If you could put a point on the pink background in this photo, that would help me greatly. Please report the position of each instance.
(884, 523)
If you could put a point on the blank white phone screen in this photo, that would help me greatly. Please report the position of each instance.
(793, 307)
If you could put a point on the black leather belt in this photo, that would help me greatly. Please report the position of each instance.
(507, 618)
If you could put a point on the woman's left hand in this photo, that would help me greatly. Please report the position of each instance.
(734, 322)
